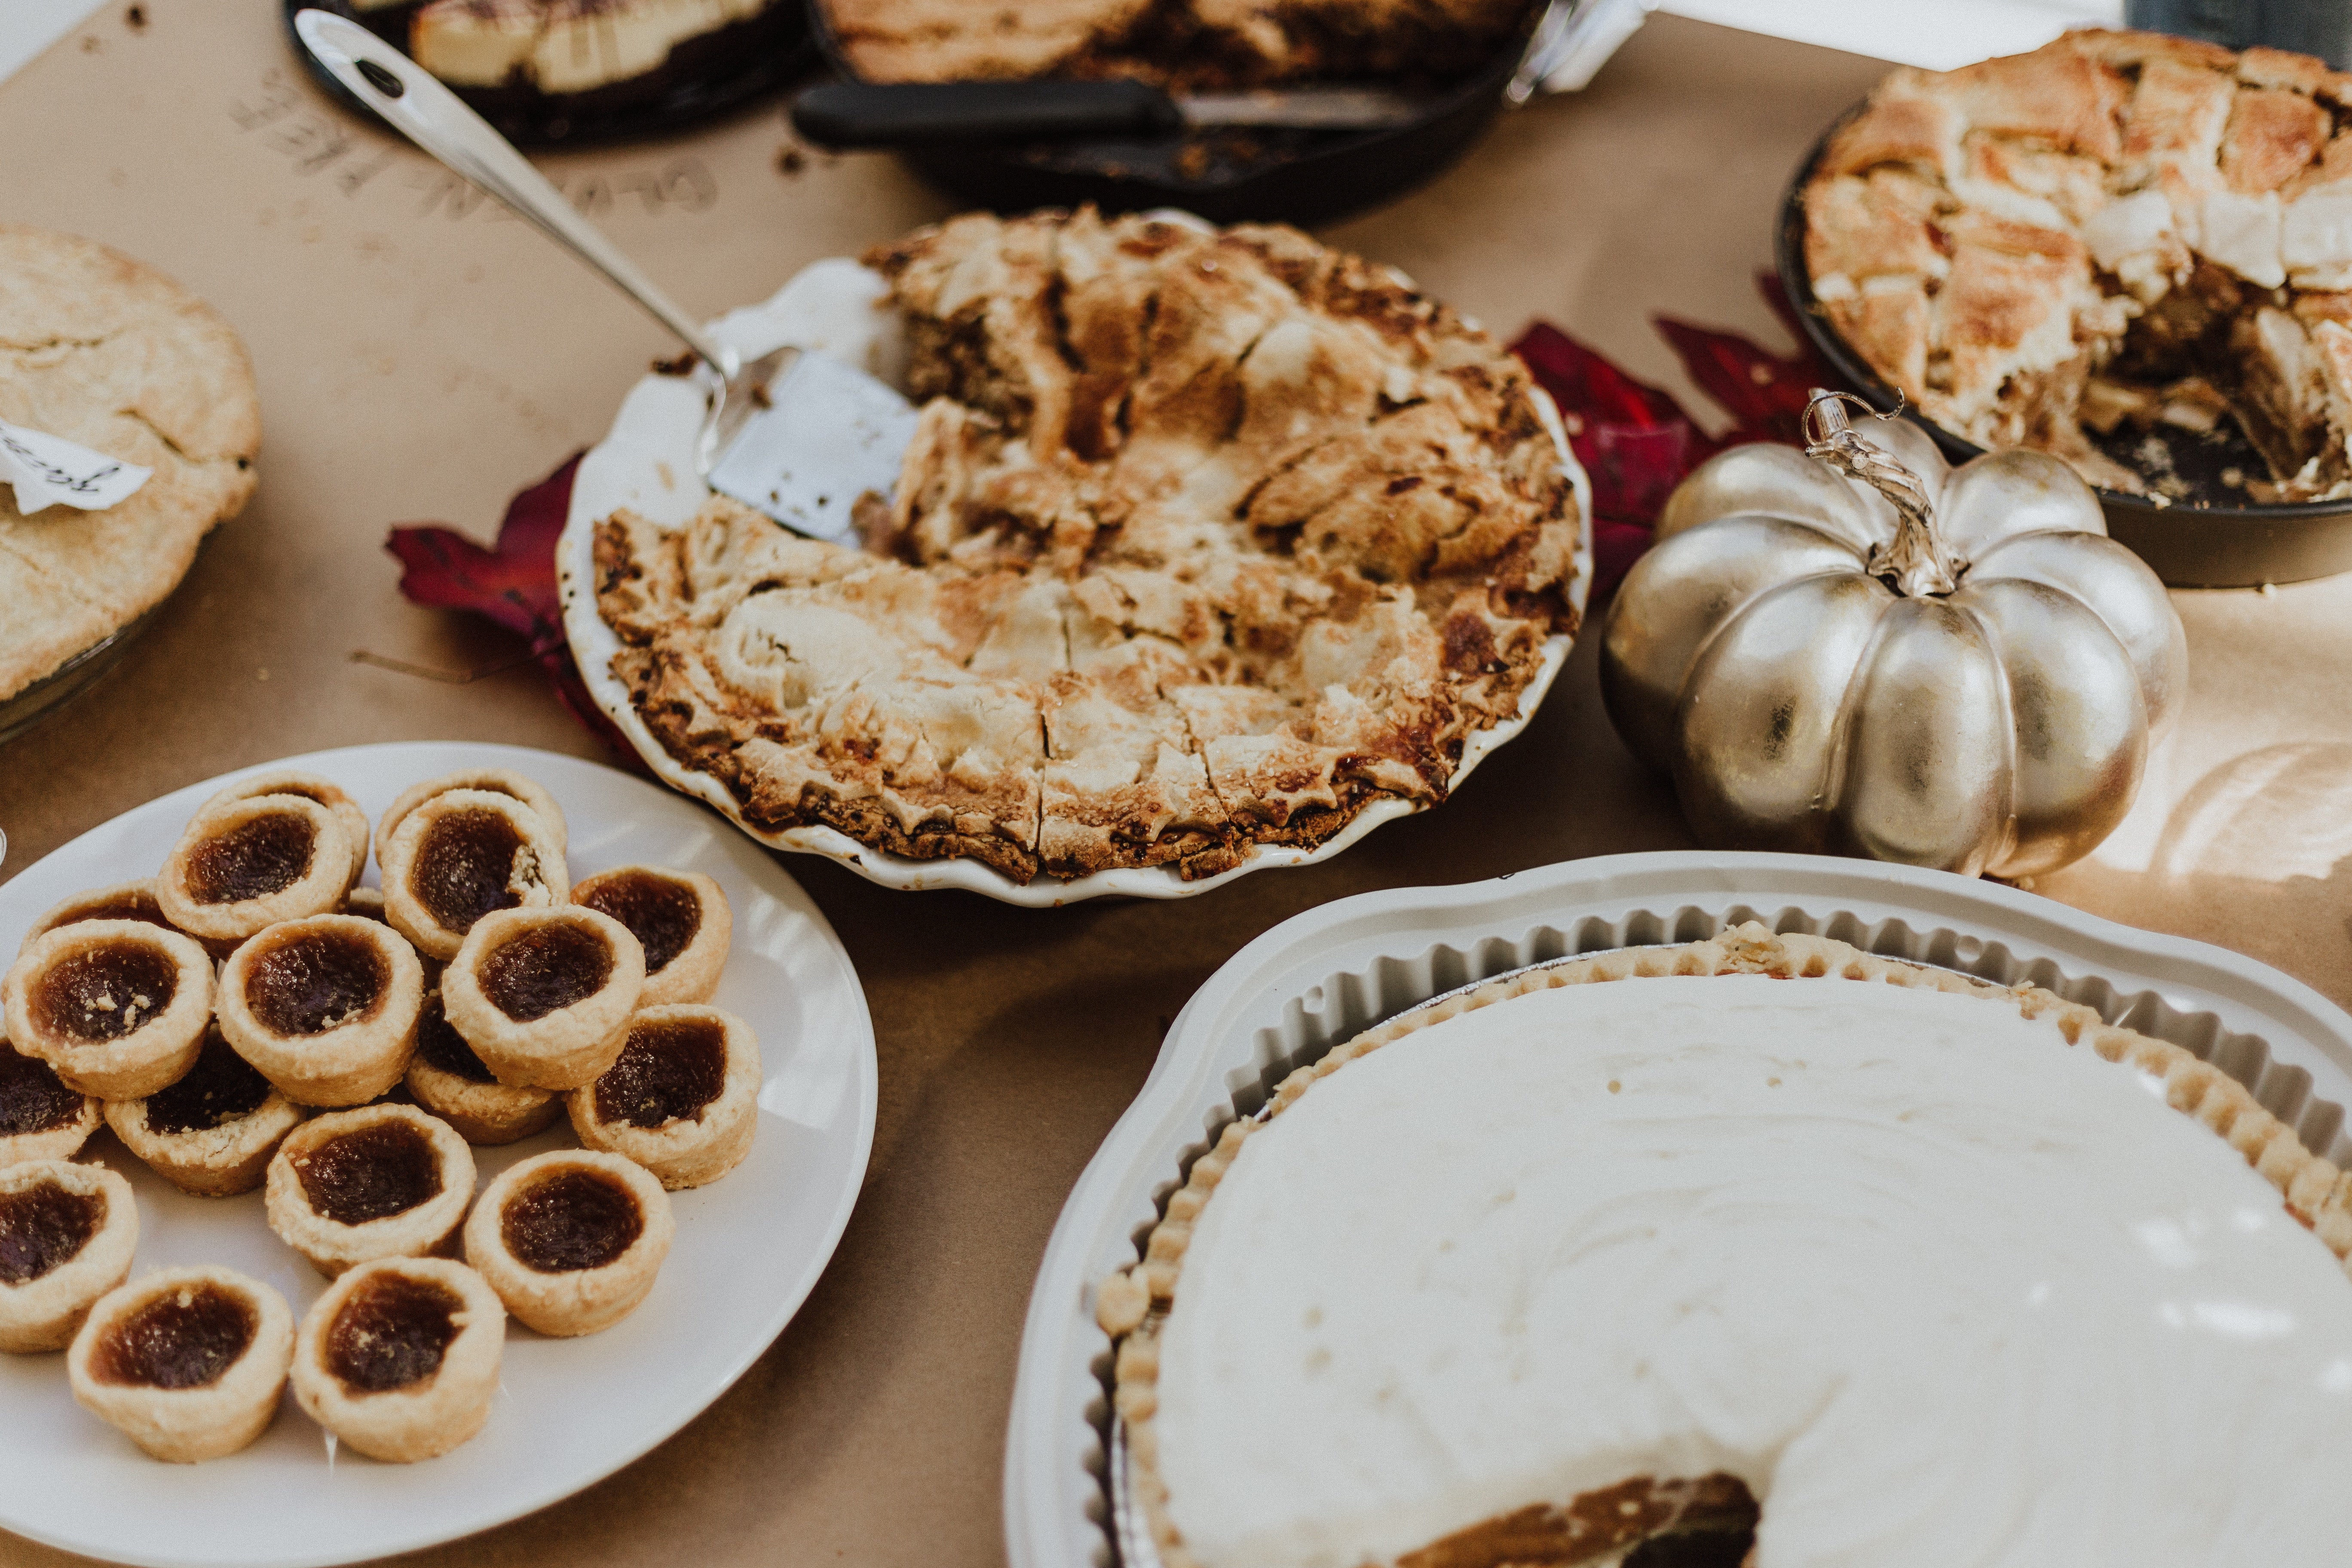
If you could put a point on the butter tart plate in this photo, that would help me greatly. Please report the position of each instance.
(645, 463)
(748, 1249)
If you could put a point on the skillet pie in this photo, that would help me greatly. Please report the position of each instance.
(2118, 230)
(1761, 1234)
(1206, 540)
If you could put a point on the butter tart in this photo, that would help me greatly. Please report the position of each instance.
(680, 917)
(367, 903)
(118, 1007)
(683, 1098)
(186, 1362)
(310, 786)
(571, 1240)
(66, 1233)
(384, 1181)
(544, 995)
(325, 1007)
(245, 864)
(450, 1080)
(496, 781)
(213, 1131)
(40, 1118)
(399, 1358)
(462, 855)
(123, 902)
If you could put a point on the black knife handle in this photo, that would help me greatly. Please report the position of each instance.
(906, 115)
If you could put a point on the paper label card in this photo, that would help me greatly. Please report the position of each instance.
(49, 470)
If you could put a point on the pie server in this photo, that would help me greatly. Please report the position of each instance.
(797, 436)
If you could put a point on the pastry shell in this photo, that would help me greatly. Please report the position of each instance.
(559, 1049)
(333, 1246)
(44, 1312)
(482, 1109)
(221, 923)
(209, 1419)
(122, 901)
(430, 1415)
(571, 1301)
(535, 873)
(493, 781)
(143, 1059)
(689, 1150)
(683, 973)
(41, 1116)
(310, 786)
(219, 1161)
(345, 1062)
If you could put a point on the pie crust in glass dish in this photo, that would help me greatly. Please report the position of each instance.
(382, 1181)
(67, 1236)
(400, 1357)
(1673, 1240)
(186, 1362)
(1209, 543)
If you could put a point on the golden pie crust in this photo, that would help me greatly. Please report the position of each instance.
(325, 1007)
(464, 853)
(496, 781)
(450, 1080)
(122, 901)
(565, 1297)
(192, 1422)
(680, 917)
(43, 1311)
(1130, 1305)
(411, 1174)
(693, 1073)
(40, 1118)
(60, 1005)
(497, 992)
(109, 353)
(310, 786)
(211, 1132)
(1205, 541)
(251, 862)
(378, 1321)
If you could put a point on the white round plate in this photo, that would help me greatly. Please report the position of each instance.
(645, 463)
(570, 1412)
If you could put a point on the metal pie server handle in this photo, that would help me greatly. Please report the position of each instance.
(413, 102)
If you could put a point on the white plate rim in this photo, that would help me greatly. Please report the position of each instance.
(1051, 1500)
(648, 451)
(424, 759)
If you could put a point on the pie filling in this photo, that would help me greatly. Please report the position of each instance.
(104, 993)
(316, 981)
(445, 1048)
(667, 1071)
(466, 867)
(221, 1088)
(392, 1332)
(371, 1172)
(32, 1097)
(661, 914)
(185, 1338)
(265, 855)
(545, 969)
(570, 1221)
(43, 1227)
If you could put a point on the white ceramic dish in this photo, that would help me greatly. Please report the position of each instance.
(748, 1247)
(1321, 978)
(645, 463)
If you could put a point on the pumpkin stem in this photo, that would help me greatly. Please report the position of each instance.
(1915, 560)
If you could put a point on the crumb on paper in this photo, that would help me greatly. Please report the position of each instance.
(135, 18)
(791, 161)
(261, 674)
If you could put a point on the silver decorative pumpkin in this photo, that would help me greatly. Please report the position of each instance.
(1857, 649)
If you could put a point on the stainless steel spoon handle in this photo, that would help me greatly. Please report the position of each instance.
(413, 102)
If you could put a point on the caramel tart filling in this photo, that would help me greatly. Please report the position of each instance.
(570, 1220)
(104, 993)
(545, 969)
(124, 902)
(221, 1088)
(43, 1227)
(32, 1098)
(669, 1071)
(317, 980)
(183, 1338)
(392, 1332)
(445, 1048)
(464, 867)
(371, 1172)
(663, 914)
(265, 855)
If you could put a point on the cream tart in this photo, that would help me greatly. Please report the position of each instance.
(211, 1132)
(399, 1358)
(1537, 1270)
(382, 1181)
(464, 854)
(310, 786)
(682, 1099)
(118, 1007)
(680, 917)
(40, 1118)
(450, 1080)
(571, 1240)
(66, 1233)
(186, 1362)
(325, 1007)
(543, 996)
(243, 864)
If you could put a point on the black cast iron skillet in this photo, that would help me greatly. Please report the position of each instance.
(2210, 539)
(1227, 176)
